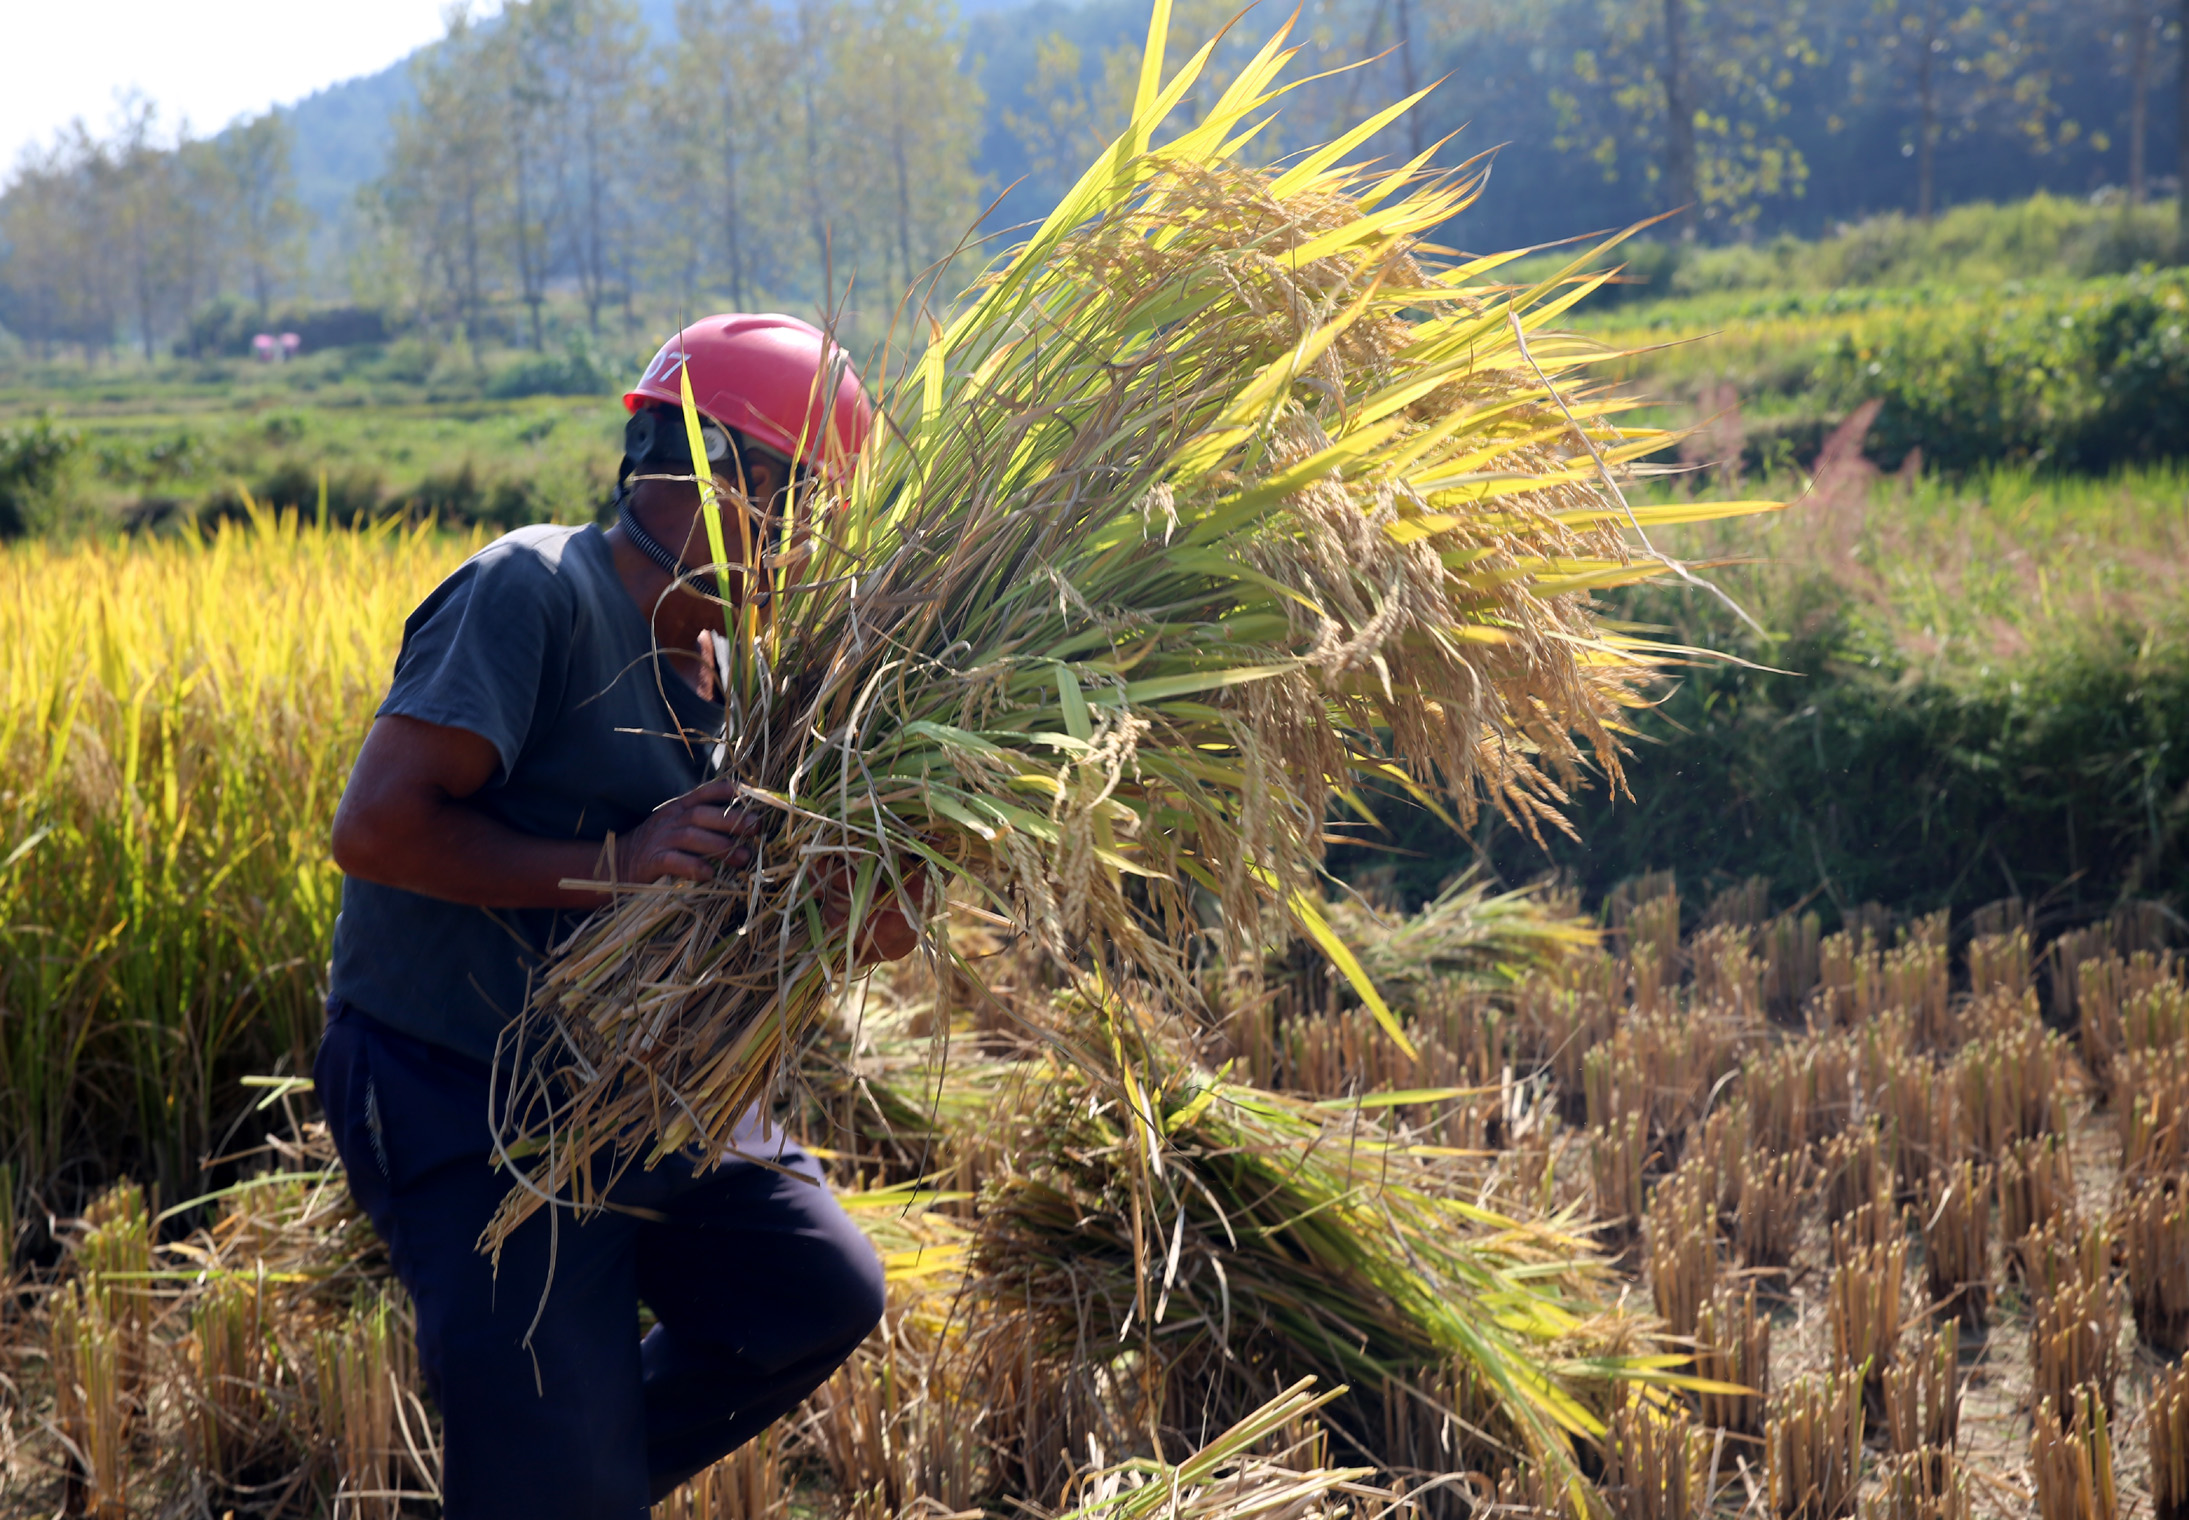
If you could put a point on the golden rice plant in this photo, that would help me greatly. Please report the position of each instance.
(177, 715)
(2167, 1425)
(2155, 1232)
(2071, 1460)
(1798, 1094)
(2103, 983)
(1220, 496)
(1812, 1449)
(1957, 1241)
(1922, 1119)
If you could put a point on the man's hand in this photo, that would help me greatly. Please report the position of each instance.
(685, 838)
(404, 822)
(885, 934)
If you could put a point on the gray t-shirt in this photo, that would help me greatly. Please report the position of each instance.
(534, 645)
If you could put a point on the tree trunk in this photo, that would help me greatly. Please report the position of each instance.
(2181, 140)
(1680, 121)
(1926, 140)
(904, 177)
(1404, 11)
(2139, 95)
(731, 212)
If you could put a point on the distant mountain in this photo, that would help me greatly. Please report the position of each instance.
(342, 131)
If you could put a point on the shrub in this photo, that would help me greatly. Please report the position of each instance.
(2084, 378)
(31, 459)
(576, 371)
(1854, 779)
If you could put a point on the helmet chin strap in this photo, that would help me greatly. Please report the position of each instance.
(693, 577)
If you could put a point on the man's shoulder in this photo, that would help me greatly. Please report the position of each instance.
(545, 559)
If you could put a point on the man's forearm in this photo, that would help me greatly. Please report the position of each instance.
(459, 854)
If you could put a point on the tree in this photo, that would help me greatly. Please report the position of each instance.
(721, 109)
(447, 185)
(1970, 72)
(910, 126)
(1690, 97)
(261, 188)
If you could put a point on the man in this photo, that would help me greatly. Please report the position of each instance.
(547, 722)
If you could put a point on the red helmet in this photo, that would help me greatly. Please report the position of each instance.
(777, 380)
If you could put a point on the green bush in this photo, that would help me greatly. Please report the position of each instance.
(2064, 780)
(31, 460)
(2086, 378)
(576, 371)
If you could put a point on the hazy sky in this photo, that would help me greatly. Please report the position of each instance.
(207, 61)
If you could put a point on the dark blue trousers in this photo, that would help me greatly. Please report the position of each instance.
(759, 1283)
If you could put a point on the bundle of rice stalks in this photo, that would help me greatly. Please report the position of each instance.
(1922, 1121)
(1767, 1221)
(2073, 1465)
(1215, 502)
(1653, 1462)
(900, 1421)
(1999, 963)
(1791, 955)
(374, 1432)
(1733, 1347)
(1228, 1479)
(2074, 1343)
(1563, 1020)
(2151, 1107)
(748, 1484)
(1813, 1448)
(1798, 1094)
(2103, 983)
(1956, 1241)
(228, 1379)
(2036, 1186)
(1850, 989)
(1856, 1171)
(1618, 1156)
(2155, 1227)
(1863, 1305)
(1683, 1249)
(1728, 972)
(1923, 1485)
(2168, 1425)
(1467, 932)
(2008, 1086)
(1240, 1240)
(1923, 1396)
(93, 1406)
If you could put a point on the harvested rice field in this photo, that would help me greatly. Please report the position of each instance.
(1889, 1222)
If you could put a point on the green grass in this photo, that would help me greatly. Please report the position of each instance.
(394, 429)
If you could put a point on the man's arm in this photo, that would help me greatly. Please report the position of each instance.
(404, 822)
